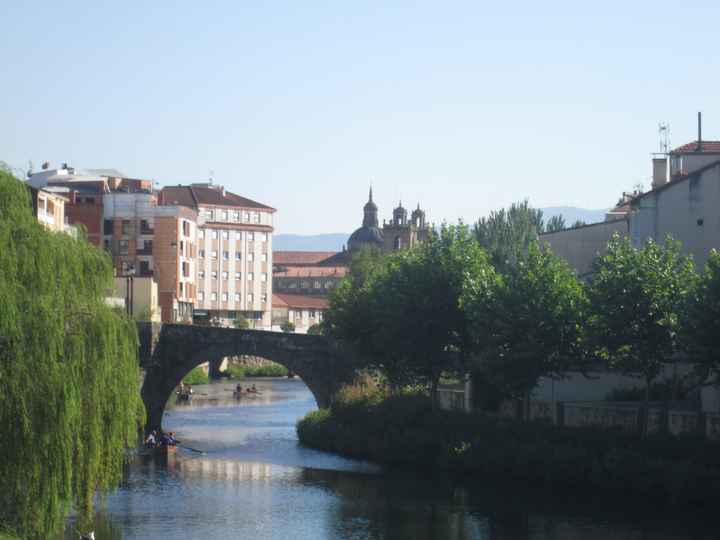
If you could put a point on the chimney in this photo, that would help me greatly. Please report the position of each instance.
(659, 172)
(699, 144)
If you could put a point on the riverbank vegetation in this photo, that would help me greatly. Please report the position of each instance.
(196, 376)
(70, 402)
(269, 369)
(402, 429)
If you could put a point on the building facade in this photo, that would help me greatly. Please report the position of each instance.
(234, 254)
(302, 311)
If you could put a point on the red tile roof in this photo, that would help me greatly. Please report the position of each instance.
(301, 258)
(299, 301)
(311, 271)
(708, 147)
(193, 196)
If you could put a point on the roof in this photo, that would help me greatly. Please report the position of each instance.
(708, 147)
(299, 301)
(193, 196)
(301, 258)
(312, 271)
(112, 173)
(676, 180)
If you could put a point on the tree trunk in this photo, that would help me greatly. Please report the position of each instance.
(434, 391)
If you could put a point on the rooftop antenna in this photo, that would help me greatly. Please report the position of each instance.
(211, 179)
(664, 137)
(699, 145)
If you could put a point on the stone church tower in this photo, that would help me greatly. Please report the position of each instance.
(401, 233)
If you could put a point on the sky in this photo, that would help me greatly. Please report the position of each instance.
(463, 107)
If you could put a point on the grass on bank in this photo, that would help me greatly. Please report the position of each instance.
(403, 430)
(196, 376)
(237, 371)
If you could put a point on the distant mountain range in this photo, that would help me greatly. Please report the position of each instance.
(336, 241)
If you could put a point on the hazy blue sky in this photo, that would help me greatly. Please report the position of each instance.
(464, 107)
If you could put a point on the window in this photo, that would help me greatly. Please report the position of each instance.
(328, 284)
(181, 288)
(213, 296)
(186, 228)
(250, 276)
(213, 254)
(250, 298)
(264, 237)
(107, 226)
(224, 215)
(237, 297)
(201, 296)
(123, 246)
(263, 298)
(238, 256)
(107, 244)
(238, 235)
(145, 268)
(182, 247)
(213, 274)
(186, 269)
(312, 313)
(224, 297)
(236, 216)
(257, 218)
(263, 277)
(213, 234)
(247, 216)
(292, 285)
(305, 285)
(317, 285)
(201, 274)
(201, 253)
(226, 255)
(201, 234)
(225, 276)
(226, 235)
(263, 257)
(125, 226)
(238, 275)
(250, 257)
(251, 236)
(208, 214)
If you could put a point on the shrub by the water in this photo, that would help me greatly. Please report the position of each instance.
(196, 376)
(70, 402)
(404, 430)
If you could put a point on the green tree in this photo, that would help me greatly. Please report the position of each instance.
(70, 402)
(638, 299)
(531, 324)
(240, 322)
(555, 223)
(505, 234)
(701, 333)
(578, 223)
(406, 318)
(288, 327)
(315, 330)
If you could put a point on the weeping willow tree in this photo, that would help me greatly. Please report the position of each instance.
(69, 398)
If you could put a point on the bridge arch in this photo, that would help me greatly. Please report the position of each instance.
(319, 361)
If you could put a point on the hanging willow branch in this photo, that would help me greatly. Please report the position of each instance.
(70, 402)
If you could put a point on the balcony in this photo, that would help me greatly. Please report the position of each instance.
(145, 250)
(146, 230)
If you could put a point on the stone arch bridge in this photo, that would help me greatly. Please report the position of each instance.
(169, 351)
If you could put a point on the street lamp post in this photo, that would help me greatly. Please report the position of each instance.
(130, 290)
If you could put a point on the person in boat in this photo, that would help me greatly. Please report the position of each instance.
(188, 390)
(254, 390)
(165, 439)
(238, 388)
(172, 441)
(151, 440)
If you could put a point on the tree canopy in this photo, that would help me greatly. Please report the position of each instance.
(70, 401)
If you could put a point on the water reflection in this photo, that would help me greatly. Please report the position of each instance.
(254, 481)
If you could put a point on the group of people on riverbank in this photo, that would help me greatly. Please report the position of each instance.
(158, 439)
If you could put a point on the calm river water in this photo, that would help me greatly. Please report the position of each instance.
(254, 481)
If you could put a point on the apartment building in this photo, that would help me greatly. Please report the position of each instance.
(49, 209)
(234, 253)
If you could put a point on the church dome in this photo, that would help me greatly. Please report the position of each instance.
(369, 234)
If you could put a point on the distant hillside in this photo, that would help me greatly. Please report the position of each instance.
(317, 242)
(572, 214)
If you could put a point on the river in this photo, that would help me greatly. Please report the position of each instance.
(253, 480)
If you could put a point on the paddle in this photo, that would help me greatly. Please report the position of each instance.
(189, 448)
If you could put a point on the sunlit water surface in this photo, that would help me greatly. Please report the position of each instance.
(253, 480)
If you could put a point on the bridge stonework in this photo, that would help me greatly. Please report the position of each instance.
(169, 351)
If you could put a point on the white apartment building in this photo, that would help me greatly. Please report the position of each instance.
(234, 254)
